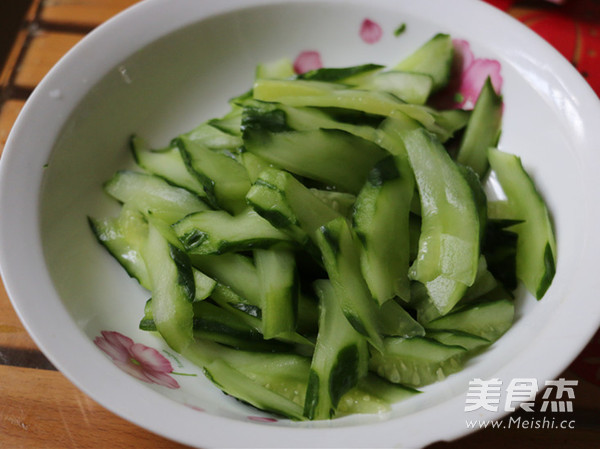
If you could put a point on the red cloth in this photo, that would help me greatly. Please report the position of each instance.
(572, 27)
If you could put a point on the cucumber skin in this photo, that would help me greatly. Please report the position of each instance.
(536, 244)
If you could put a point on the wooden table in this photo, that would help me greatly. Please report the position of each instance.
(40, 408)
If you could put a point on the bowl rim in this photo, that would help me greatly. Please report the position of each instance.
(16, 263)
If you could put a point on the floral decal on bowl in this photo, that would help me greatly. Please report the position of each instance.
(262, 419)
(370, 31)
(472, 73)
(140, 361)
(306, 61)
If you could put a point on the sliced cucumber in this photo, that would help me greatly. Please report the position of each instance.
(276, 269)
(225, 180)
(395, 321)
(500, 250)
(289, 205)
(374, 394)
(483, 130)
(237, 384)
(218, 135)
(124, 237)
(166, 163)
(381, 210)
(340, 358)
(338, 245)
(449, 244)
(488, 319)
(153, 195)
(408, 86)
(172, 290)
(217, 232)
(341, 202)
(278, 69)
(204, 285)
(416, 361)
(346, 75)
(333, 157)
(216, 324)
(434, 58)
(457, 338)
(328, 95)
(234, 270)
(536, 245)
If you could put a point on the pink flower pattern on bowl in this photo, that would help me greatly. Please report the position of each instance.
(469, 75)
(140, 361)
(306, 61)
(370, 31)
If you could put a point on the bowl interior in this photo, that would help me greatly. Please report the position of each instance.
(186, 75)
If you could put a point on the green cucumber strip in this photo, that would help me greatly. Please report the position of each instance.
(301, 93)
(254, 165)
(240, 386)
(218, 232)
(250, 313)
(449, 244)
(457, 338)
(147, 322)
(410, 87)
(230, 124)
(283, 374)
(278, 69)
(216, 324)
(166, 163)
(204, 285)
(280, 373)
(416, 361)
(536, 245)
(234, 270)
(377, 387)
(373, 395)
(153, 195)
(239, 306)
(345, 75)
(209, 135)
(483, 130)
(478, 195)
(433, 58)
(426, 311)
(289, 205)
(172, 290)
(341, 202)
(225, 180)
(341, 258)
(124, 237)
(452, 121)
(340, 358)
(484, 282)
(279, 286)
(277, 117)
(333, 157)
(382, 210)
(500, 250)
(395, 321)
(488, 319)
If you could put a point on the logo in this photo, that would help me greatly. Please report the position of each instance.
(519, 394)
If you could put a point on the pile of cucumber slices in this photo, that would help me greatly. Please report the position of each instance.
(329, 246)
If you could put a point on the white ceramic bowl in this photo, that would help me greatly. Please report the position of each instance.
(162, 67)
